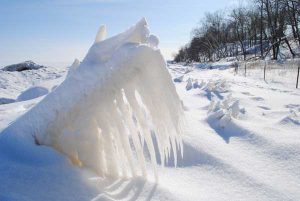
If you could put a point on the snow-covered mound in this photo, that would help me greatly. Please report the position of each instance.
(27, 65)
(33, 92)
(107, 111)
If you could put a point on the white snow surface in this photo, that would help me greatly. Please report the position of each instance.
(241, 142)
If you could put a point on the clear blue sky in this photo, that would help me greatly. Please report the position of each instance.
(57, 31)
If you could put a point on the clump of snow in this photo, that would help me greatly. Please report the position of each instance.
(102, 52)
(110, 109)
(194, 84)
(27, 65)
(220, 86)
(179, 79)
(225, 110)
(32, 92)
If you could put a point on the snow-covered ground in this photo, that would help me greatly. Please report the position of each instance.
(18, 86)
(243, 138)
(241, 142)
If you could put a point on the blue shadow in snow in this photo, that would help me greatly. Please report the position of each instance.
(229, 131)
(210, 94)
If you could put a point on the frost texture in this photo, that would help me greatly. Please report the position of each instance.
(108, 110)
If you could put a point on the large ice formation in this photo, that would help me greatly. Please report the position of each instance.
(107, 113)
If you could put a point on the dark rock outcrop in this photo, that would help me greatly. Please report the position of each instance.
(27, 65)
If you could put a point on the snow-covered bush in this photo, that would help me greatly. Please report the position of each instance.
(108, 110)
(220, 86)
(194, 83)
(225, 110)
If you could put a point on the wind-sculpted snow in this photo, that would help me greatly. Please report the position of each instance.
(108, 110)
(225, 110)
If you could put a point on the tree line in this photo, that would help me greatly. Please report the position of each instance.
(259, 29)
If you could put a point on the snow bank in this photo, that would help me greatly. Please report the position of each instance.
(107, 111)
(224, 110)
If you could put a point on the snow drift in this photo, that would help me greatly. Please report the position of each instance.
(108, 110)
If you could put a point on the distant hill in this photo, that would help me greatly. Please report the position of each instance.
(27, 65)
